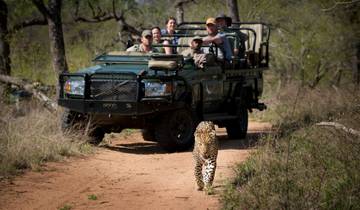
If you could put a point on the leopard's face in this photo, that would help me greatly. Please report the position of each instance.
(205, 136)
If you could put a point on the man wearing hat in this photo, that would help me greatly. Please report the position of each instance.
(145, 46)
(196, 52)
(224, 22)
(195, 47)
(220, 40)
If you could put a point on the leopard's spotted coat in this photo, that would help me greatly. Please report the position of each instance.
(205, 154)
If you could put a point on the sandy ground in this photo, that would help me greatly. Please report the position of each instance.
(129, 173)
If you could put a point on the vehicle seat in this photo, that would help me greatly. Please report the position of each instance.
(253, 54)
(251, 37)
(183, 41)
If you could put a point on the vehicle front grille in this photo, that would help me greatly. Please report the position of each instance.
(113, 89)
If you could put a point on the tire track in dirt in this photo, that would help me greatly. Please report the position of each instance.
(127, 174)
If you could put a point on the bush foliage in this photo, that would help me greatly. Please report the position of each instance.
(32, 136)
(302, 165)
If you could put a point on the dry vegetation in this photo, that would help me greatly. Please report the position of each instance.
(30, 136)
(303, 166)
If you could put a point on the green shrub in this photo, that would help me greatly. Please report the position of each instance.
(307, 166)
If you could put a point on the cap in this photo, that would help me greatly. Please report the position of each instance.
(210, 21)
(146, 33)
(197, 38)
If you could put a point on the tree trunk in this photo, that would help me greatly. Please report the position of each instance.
(56, 37)
(179, 14)
(355, 63)
(47, 102)
(4, 42)
(233, 10)
(57, 46)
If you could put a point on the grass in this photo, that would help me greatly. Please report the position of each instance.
(303, 166)
(31, 136)
(92, 197)
(65, 207)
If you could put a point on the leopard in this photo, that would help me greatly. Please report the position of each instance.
(205, 154)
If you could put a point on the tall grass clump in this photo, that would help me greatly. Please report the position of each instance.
(303, 165)
(32, 136)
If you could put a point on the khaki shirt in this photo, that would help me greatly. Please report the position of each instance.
(190, 52)
(139, 48)
(159, 49)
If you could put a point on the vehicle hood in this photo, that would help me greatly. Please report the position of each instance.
(114, 68)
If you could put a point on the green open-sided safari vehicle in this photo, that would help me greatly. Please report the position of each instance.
(168, 95)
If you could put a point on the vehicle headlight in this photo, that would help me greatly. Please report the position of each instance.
(74, 87)
(153, 89)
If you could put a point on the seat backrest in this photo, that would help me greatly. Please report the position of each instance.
(258, 28)
(183, 41)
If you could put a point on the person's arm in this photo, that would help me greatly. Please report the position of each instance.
(215, 39)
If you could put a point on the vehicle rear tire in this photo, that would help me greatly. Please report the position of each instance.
(148, 134)
(78, 122)
(237, 129)
(175, 131)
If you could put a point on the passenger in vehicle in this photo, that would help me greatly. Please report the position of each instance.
(145, 45)
(214, 37)
(223, 23)
(156, 33)
(170, 30)
(197, 53)
(194, 48)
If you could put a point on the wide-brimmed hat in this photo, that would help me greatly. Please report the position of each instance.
(223, 16)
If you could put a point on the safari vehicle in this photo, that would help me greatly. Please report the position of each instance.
(167, 95)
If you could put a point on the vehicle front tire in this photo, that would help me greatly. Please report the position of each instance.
(175, 131)
(237, 129)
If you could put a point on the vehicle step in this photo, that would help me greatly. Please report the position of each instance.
(219, 116)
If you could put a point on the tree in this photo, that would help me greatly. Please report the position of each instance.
(233, 10)
(6, 32)
(180, 9)
(52, 13)
(99, 14)
(4, 43)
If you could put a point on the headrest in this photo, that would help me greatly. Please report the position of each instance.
(165, 62)
(163, 65)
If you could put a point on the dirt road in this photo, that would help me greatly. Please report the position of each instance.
(128, 174)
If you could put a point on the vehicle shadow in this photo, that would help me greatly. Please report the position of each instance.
(148, 148)
(141, 148)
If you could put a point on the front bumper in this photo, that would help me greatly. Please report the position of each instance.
(144, 107)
